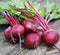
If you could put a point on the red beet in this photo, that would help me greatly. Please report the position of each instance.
(50, 37)
(8, 37)
(30, 25)
(32, 40)
(18, 29)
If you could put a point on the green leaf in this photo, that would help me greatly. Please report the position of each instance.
(3, 21)
(13, 12)
(31, 12)
(25, 17)
(3, 6)
(54, 15)
(43, 13)
(58, 10)
(53, 7)
(50, 6)
(16, 3)
(35, 4)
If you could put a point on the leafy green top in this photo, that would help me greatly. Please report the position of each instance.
(10, 5)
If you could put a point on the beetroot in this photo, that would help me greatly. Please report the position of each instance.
(32, 40)
(29, 25)
(50, 37)
(8, 37)
(18, 29)
(7, 33)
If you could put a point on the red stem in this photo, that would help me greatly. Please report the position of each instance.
(26, 13)
(48, 21)
(47, 15)
(10, 21)
(13, 18)
(40, 17)
(40, 23)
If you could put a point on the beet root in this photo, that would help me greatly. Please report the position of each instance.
(9, 37)
(50, 37)
(18, 30)
(29, 25)
(32, 40)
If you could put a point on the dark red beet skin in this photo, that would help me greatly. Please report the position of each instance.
(32, 40)
(7, 35)
(29, 25)
(50, 37)
(18, 30)
(40, 32)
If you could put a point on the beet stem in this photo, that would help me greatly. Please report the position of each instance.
(47, 15)
(26, 13)
(40, 23)
(10, 21)
(40, 17)
(57, 48)
(13, 19)
(48, 21)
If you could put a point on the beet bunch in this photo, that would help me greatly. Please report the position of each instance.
(33, 35)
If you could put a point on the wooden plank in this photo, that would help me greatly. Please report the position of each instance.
(6, 48)
(15, 51)
(38, 51)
